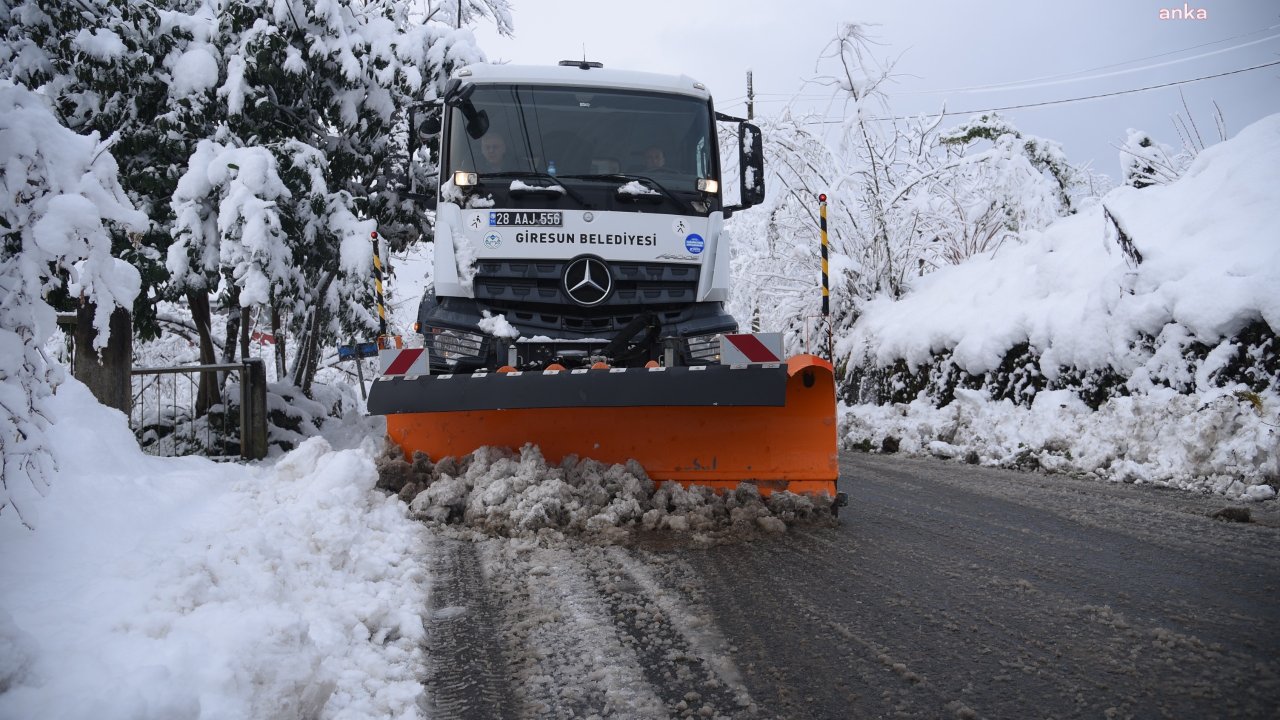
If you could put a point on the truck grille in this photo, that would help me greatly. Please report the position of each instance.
(535, 292)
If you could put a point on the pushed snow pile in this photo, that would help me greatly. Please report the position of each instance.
(174, 588)
(506, 494)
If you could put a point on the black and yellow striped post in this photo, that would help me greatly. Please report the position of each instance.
(826, 291)
(377, 288)
(822, 224)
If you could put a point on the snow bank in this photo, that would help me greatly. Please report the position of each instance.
(1211, 264)
(176, 588)
(519, 495)
(1153, 288)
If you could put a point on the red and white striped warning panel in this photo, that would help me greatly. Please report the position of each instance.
(404, 361)
(751, 348)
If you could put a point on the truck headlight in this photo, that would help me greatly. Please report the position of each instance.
(452, 345)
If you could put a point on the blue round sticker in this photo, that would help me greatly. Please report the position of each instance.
(694, 244)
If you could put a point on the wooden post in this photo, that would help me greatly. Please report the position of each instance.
(106, 372)
(253, 410)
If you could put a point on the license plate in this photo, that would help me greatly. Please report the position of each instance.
(507, 217)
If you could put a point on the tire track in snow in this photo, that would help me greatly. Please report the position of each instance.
(568, 661)
(467, 674)
(690, 678)
(574, 631)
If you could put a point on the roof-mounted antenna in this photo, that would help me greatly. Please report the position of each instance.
(583, 64)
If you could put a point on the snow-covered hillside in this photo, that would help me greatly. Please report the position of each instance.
(1157, 307)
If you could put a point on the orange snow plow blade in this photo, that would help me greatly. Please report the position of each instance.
(772, 425)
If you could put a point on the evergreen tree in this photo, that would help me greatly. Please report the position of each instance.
(61, 196)
(323, 86)
(106, 65)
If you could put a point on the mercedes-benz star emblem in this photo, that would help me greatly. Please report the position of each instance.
(587, 281)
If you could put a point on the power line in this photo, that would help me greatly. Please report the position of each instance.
(1028, 82)
(1031, 85)
(1015, 84)
(1066, 100)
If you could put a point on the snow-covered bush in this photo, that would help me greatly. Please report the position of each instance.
(1145, 162)
(59, 189)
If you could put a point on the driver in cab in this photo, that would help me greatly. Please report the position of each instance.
(654, 158)
(493, 153)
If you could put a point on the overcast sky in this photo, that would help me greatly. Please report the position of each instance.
(941, 45)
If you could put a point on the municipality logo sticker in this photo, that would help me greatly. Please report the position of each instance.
(492, 240)
(694, 244)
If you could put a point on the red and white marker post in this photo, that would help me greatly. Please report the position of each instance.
(751, 348)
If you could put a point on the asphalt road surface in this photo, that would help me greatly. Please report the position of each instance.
(946, 591)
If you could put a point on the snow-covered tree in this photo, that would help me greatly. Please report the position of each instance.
(323, 85)
(227, 217)
(472, 12)
(107, 67)
(1034, 181)
(904, 198)
(60, 195)
(871, 172)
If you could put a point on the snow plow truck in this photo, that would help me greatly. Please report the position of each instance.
(579, 286)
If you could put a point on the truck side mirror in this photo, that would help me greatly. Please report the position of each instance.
(430, 125)
(751, 164)
(477, 121)
(458, 95)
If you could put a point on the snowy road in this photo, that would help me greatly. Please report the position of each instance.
(948, 591)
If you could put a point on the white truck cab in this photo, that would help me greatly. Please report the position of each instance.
(582, 207)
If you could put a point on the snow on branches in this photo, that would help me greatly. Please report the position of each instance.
(242, 236)
(1145, 162)
(1033, 178)
(905, 197)
(58, 190)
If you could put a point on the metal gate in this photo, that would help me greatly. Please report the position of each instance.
(165, 417)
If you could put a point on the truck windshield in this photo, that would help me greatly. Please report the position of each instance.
(567, 131)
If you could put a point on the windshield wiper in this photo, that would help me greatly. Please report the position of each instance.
(626, 177)
(518, 174)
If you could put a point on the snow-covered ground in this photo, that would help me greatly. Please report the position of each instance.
(173, 588)
(183, 588)
(1209, 265)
